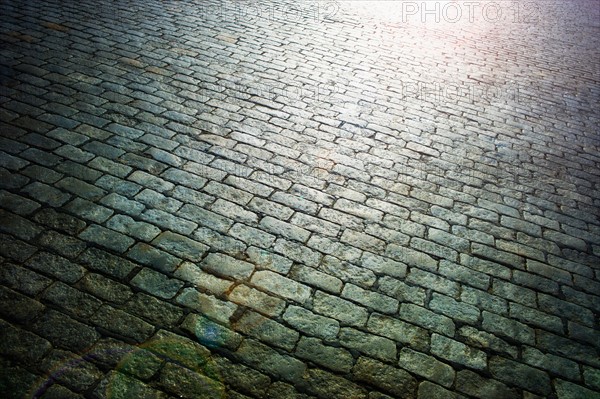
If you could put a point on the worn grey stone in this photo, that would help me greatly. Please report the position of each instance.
(226, 266)
(458, 352)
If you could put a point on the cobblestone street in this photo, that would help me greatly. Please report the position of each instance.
(294, 200)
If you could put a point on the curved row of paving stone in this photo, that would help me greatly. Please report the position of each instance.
(200, 203)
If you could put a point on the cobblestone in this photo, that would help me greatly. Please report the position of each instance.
(395, 381)
(224, 199)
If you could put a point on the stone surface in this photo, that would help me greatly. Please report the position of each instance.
(299, 199)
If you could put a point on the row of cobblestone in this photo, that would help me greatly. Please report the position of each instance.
(213, 199)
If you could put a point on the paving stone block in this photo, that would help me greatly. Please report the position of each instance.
(145, 164)
(211, 307)
(78, 375)
(105, 288)
(464, 275)
(434, 249)
(432, 281)
(569, 390)
(267, 330)
(458, 352)
(56, 266)
(192, 273)
(456, 310)
(281, 390)
(17, 307)
(206, 218)
(81, 188)
(154, 310)
(59, 221)
(558, 345)
(310, 276)
(358, 210)
(523, 376)
(71, 300)
(426, 366)
(154, 199)
(370, 299)
(484, 340)
(17, 204)
(220, 242)
(389, 379)
(153, 257)
(121, 203)
(180, 246)
(284, 229)
(473, 384)
(401, 291)
(190, 196)
(513, 292)
(106, 238)
(67, 136)
(428, 390)
(363, 241)
(150, 181)
(521, 225)
(228, 193)
(117, 383)
(23, 280)
(204, 171)
(167, 221)
(103, 149)
(296, 202)
(472, 235)
(226, 266)
(372, 345)
(184, 178)
(326, 385)
(508, 328)
(334, 248)
(156, 283)
(257, 300)
(242, 378)
(427, 319)
(555, 364)
(591, 377)
(583, 333)
(410, 257)
(562, 308)
(13, 163)
(429, 221)
(251, 235)
(123, 187)
(268, 360)
(449, 240)
(186, 383)
(46, 194)
(89, 210)
(336, 359)
(565, 240)
(297, 252)
(139, 230)
(22, 345)
(347, 272)
(10, 180)
(65, 332)
(122, 323)
(535, 317)
(310, 323)
(339, 309)
(282, 286)
(102, 261)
